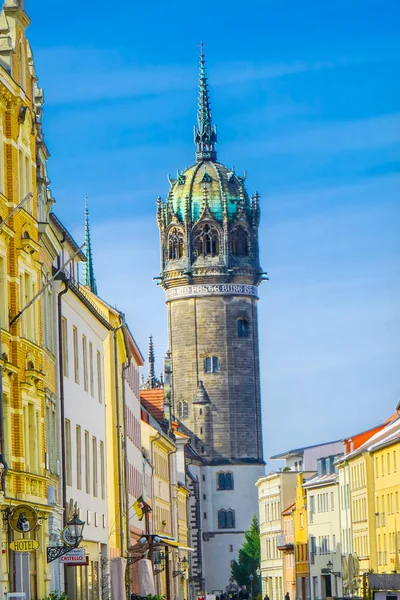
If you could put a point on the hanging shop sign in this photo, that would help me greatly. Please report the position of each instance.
(74, 557)
(24, 545)
(67, 538)
(23, 518)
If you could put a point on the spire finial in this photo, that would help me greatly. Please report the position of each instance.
(88, 268)
(151, 363)
(205, 133)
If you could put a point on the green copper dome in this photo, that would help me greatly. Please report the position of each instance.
(208, 182)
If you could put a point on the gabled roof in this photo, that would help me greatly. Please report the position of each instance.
(355, 441)
(288, 511)
(57, 223)
(153, 401)
(387, 435)
(318, 480)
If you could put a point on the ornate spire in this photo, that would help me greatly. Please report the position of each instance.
(151, 361)
(88, 268)
(205, 133)
(152, 381)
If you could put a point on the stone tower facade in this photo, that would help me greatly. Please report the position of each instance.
(210, 272)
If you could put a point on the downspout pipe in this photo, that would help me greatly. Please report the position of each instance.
(62, 399)
(126, 465)
(118, 414)
(62, 413)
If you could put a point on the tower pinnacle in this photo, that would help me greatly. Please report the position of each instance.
(205, 133)
(88, 273)
(151, 362)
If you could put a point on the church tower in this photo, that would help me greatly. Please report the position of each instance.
(210, 272)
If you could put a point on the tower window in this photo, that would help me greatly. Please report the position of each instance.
(206, 241)
(183, 410)
(240, 241)
(175, 244)
(226, 519)
(243, 327)
(211, 364)
(225, 481)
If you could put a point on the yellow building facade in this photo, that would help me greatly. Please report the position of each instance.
(116, 355)
(385, 456)
(28, 376)
(301, 541)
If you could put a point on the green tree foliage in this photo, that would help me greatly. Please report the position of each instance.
(249, 559)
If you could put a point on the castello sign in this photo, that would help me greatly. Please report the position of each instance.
(217, 289)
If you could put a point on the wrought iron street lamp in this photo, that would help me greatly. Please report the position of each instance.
(71, 536)
(184, 564)
(251, 577)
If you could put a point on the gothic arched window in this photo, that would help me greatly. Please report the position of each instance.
(206, 241)
(183, 410)
(211, 364)
(225, 481)
(240, 241)
(226, 519)
(175, 244)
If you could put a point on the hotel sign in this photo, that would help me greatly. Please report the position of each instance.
(24, 545)
(207, 289)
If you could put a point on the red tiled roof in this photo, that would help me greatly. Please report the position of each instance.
(289, 509)
(354, 442)
(153, 401)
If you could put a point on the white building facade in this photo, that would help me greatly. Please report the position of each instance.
(82, 331)
(228, 504)
(324, 531)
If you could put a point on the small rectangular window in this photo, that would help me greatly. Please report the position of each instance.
(65, 346)
(85, 363)
(3, 292)
(99, 379)
(215, 364)
(76, 354)
(91, 373)
(243, 328)
(78, 458)
(94, 460)
(102, 471)
(208, 365)
(68, 466)
(87, 462)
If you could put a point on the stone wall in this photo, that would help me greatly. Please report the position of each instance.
(205, 327)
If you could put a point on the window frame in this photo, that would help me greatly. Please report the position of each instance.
(226, 518)
(243, 327)
(225, 481)
(211, 364)
(206, 241)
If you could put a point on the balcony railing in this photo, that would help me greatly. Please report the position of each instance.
(285, 542)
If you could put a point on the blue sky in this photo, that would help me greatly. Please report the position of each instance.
(306, 99)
